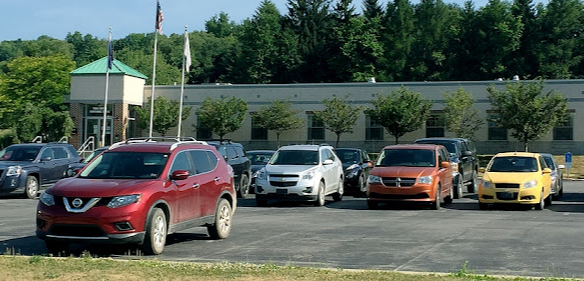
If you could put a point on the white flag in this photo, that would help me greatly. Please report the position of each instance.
(187, 52)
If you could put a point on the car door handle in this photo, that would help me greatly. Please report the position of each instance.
(196, 185)
(217, 178)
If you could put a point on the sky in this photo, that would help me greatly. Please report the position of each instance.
(29, 19)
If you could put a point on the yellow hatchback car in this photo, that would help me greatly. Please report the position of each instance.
(516, 178)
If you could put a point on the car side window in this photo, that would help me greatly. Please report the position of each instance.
(60, 153)
(47, 153)
(442, 156)
(327, 154)
(240, 152)
(542, 163)
(182, 162)
(464, 147)
(230, 152)
(201, 161)
(213, 160)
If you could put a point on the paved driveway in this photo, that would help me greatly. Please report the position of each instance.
(348, 235)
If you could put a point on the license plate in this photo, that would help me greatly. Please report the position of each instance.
(281, 191)
(505, 195)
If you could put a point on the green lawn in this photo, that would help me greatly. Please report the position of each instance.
(20, 268)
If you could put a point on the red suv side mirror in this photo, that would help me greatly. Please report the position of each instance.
(180, 175)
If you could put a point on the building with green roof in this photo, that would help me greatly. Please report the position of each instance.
(125, 91)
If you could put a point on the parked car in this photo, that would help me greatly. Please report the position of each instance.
(138, 192)
(415, 173)
(557, 184)
(259, 159)
(464, 161)
(357, 165)
(29, 168)
(88, 159)
(301, 173)
(516, 178)
(235, 156)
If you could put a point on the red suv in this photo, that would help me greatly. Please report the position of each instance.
(138, 192)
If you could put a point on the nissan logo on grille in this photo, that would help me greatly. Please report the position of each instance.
(77, 202)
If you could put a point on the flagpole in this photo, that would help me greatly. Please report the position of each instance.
(182, 84)
(157, 29)
(153, 85)
(102, 141)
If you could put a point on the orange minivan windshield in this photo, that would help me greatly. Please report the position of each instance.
(406, 158)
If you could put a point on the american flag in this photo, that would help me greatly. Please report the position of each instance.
(159, 18)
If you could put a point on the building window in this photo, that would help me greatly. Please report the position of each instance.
(435, 125)
(202, 133)
(496, 132)
(315, 127)
(257, 133)
(565, 130)
(373, 130)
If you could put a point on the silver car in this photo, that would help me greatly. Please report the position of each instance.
(557, 181)
(301, 173)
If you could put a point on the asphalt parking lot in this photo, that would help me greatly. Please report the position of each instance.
(347, 235)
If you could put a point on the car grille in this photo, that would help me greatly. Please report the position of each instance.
(102, 202)
(283, 183)
(76, 230)
(507, 195)
(283, 176)
(507, 185)
(398, 182)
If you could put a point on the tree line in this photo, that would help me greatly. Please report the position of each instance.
(328, 41)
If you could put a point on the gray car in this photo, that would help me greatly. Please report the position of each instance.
(557, 175)
(259, 159)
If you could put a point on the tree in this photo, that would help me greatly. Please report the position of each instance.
(43, 81)
(222, 116)
(524, 109)
(165, 114)
(220, 25)
(313, 22)
(278, 117)
(360, 50)
(400, 112)
(397, 38)
(460, 115)
(27, 122)
(562, 29)
(56, 125)
(261, 55)
(338, 116)
(372, 9)
(525, 60)
(86, 49)
(499, 34)
(32, 94)
(434, 31)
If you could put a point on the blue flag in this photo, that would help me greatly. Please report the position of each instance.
(110, 54)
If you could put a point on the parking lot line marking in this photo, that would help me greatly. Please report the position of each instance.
(447, 240)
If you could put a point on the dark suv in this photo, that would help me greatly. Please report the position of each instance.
(27, 168)
(464, 159)
(235, 156)
(138, 192)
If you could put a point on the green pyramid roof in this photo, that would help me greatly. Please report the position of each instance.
(100, 67)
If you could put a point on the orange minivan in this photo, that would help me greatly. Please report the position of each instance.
(418, 173)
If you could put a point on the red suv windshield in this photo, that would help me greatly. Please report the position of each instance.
(126, 165)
